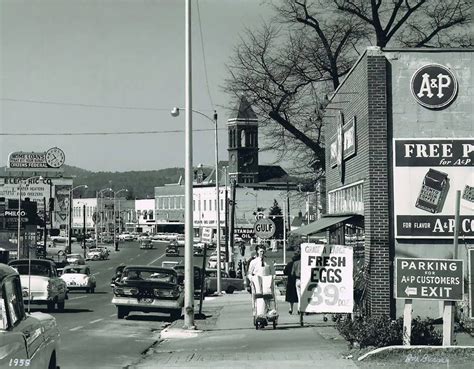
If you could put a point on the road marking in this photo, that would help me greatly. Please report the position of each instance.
(158, 258)
(95, 321)
(138, 255)
(76, 298)
(112, 314)
(96, 273)
(76, 328)
(110, 268)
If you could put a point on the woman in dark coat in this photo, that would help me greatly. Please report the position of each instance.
(291, 295)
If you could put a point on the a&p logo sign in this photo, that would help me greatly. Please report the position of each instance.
(434, 86)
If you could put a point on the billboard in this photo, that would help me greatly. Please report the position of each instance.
(427, 173)
(326, 278)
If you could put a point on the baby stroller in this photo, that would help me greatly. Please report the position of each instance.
(264, 305)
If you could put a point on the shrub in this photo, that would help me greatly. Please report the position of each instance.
(382, 331)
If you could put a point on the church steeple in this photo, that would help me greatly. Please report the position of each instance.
(242, 129)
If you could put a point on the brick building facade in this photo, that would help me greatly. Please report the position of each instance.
(371, 112)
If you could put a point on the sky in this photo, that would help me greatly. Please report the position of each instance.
(114, 66)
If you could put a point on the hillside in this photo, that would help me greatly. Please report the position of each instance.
(140, 184)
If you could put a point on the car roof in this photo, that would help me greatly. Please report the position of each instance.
(150, 268)
(33, 261)
(6, 270)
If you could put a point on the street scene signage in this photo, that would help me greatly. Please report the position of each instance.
(244, 233)
(434, 86)
(427, 174)
(49, 160)
(264, 228)
(326, 278)
(429, 279)
(206, 235)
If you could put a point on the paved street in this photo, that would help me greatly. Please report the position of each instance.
(91, 334)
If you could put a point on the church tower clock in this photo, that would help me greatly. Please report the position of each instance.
(242, 129)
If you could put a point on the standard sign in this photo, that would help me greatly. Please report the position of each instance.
(264, 228)
(326, 279)
(429, 279)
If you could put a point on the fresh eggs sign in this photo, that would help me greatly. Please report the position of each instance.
(434, 86)
(326, 278)
(426, 175)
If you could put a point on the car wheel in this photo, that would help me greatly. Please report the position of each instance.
(50, 305)
(175, 315)
(230, 290)
(121, 312)
(60, 305)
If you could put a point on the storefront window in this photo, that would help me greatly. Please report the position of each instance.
(347, 200)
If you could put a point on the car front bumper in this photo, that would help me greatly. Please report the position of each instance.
(143, 305)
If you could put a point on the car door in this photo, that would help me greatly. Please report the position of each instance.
(19, 323)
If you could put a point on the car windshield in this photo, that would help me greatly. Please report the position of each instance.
(148, 275)
(36, 269)
(69, 270)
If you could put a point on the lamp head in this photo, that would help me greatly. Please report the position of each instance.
(175, 112)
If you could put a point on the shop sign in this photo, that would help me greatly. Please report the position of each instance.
(343, 143)
(264, 228)
(427, 174)
(49, 160)
(471, 282)
(206, 235)
(327, 284)
(429, 279)
(434, 86)
(245, 233)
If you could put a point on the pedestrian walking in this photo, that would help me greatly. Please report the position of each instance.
(259, 265)
(291, 295)
(296, 273)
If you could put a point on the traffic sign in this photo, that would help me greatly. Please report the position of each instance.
(206, 235)
(264, 228)
(429, 279)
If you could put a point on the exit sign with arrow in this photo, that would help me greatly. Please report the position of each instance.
(429, 279)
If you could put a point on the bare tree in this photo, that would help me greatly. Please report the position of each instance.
(274, 73)
(414, 23)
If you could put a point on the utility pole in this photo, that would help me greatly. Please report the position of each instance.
(226, 210)
(84, 228)
(232, 214)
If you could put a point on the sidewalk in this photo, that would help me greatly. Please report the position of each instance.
(227, 338)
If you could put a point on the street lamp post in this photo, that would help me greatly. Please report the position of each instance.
(115, 196)
(19, 212)
(69, 223)
(175, 113)
(98, 215)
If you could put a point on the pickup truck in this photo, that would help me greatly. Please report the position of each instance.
(228, 284)
(29, 340)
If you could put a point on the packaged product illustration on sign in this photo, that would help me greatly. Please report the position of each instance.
(427, 174)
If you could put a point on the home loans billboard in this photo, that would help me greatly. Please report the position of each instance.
(427, 174)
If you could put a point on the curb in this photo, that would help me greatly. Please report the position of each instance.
(411, 348)
(173, 332)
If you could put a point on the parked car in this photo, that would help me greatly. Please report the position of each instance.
(148, 289)
(212, 262)
(197, 277)
(41, 283)
(146, 244)
(125, 237)
(79, 277)
(197, 251)
(229, 285)
(31, 340)
(97, 253)
(75, 259)
(172, 250)
(180, 240)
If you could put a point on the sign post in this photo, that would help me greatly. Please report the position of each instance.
(429, 279)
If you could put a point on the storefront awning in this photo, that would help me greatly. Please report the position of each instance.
(320, 225)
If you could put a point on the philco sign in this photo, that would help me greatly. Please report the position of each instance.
(429, 279)
(434, 86)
